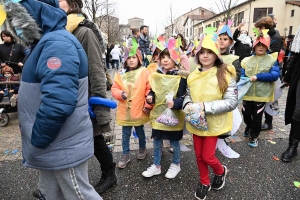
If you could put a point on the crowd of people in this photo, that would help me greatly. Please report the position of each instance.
(160, 82)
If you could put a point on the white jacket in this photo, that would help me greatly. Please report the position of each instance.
(115, 53)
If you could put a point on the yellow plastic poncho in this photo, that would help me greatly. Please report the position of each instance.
(259, 91)
(204, 88)
(162, 85)
(229, 59)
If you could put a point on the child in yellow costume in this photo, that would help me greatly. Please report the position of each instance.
(226, 40)
(263, 70)
(130, 88)
(213, 89)
(167, 79)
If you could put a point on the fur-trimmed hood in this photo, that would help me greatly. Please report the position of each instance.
(35, 18)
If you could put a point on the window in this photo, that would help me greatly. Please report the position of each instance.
(292, 13)
(191, 31)
(214, 24)
(201, 30)
(261, 12)
(240, 17)
(291, 30)
(202, 12)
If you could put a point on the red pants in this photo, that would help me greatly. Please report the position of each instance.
(205, 148)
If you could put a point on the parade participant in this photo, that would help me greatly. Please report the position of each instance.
(292, 110)
(158, 46)
(144, 44)
(57, 133)
(135, 34)
(130, 88)
(226, 40)
(263, 72)
(9, 90)
(243, 45)
(94, 45)
(167, 75)
(216, 98)
(275, 46)
(11, 52)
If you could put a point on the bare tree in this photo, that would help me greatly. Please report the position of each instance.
(226, 8)
(171, 24)
(103, 14)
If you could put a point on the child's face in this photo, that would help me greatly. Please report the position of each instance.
(167, 62)
(225, 41)
(132, 61)
(207, 57)
(260, 49)
(7, 74)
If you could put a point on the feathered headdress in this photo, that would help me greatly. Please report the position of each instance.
(173, 45)
(263, 37)
(133, 50)
(209, 40)
(225, 28)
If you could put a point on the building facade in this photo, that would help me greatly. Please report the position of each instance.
(287, 14)
(179, 23)
(135, 22)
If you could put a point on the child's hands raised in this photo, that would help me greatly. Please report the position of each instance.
(124, 95)
(149, 99)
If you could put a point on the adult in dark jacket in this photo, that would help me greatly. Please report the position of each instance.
(108, 56)
(57, 134)
(80, 27)
(11, 52)
(144, 45)
(292, 110)
(275, 46)
(243, 44)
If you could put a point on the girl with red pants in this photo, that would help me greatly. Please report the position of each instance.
(213, 89)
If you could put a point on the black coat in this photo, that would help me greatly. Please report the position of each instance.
(292, 77)
(240, 49)
(18, 55)
(276, 42)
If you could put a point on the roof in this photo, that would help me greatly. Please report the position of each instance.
(135, 18)
(196, 17)
(295, 3)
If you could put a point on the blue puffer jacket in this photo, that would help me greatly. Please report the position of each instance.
(53, 112)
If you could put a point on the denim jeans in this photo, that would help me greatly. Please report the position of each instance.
(113, 62)
(107, 65)
(126, 133)
(158, 148)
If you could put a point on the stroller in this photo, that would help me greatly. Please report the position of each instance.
(5, 105)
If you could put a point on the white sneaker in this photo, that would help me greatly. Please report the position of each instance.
(151, 171)
(13, 101)
(173, 171)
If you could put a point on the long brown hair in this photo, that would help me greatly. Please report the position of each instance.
(221, 73)
(75, 7)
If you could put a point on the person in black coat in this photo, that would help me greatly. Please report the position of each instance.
(292, 110)
(11, 53)
(243, 44)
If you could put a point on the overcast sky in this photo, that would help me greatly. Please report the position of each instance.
(156, 12)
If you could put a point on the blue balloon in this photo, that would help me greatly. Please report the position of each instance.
(100, 101)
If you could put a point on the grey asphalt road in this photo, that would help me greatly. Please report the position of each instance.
(255, 175)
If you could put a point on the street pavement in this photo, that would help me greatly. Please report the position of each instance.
(255, 175)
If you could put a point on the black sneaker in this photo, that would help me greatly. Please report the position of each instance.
(247, 132)
(219, 180)
(201, 193)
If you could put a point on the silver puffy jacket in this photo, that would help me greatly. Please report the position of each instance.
(227, 104)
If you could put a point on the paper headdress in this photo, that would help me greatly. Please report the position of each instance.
(159, 43)
(133, 50)
(209, 40)
(173, 45)
(263, 38)
(225, 28)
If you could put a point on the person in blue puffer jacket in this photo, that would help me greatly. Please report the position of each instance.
(56, 130)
